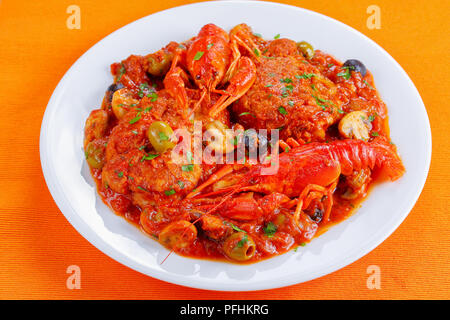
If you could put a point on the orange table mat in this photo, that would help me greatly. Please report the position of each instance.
(37, 242)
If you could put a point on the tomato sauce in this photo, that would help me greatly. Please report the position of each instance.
(331, 120)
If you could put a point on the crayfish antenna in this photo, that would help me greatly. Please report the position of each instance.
(213, 178)
(228, 196)
(198, 103)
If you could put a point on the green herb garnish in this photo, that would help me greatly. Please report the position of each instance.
(368, 84)
(345, 74)
(169, 192)
(246, 113)
(243, 241)
(270, 229)
(187, 167)
(122, 71)
(181, 184)
(282, 110)
(149, 157)
(153, 96)
(198, 55)
(286, 80)
(135, 119)
(305, 76)
(236, 228)
(163, 136)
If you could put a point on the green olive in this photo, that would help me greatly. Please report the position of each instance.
(95, 156)
(158, 63)
(160, 134)
(279, 219)
(306, 49)
(178, 234)
(239, 246)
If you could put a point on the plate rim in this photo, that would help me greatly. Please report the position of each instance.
(64, 206)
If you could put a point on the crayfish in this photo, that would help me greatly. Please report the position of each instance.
(213, 60)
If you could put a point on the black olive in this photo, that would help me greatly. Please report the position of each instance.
(254, 142)
(251, 140)
(356, 65)
(111, 89)
(317, 215)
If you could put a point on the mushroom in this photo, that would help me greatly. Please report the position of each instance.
(121, 101)
(355, 125)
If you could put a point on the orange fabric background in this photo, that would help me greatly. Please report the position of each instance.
(38, 244)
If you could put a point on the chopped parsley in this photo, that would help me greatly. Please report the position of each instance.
(163, 136)
(371, 118)
(140, 188)
(153, 97)
(375, 134)
(181, 184)
(345, 74)
(198, 55)
(120, 174)
(149, 157)
(243, 241)
(143, 87)
(320, 102)
(305, 76)
(368, 84)
(270, 229)
(286, 80)
(236, 228)
(209, 46)
(122, 71)
(247, 113)
(256, 51)
(135, 119)
(277, 36)
(282, 110)
(169, 192)
(187, 167)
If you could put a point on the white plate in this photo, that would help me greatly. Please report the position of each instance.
(82, 88)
